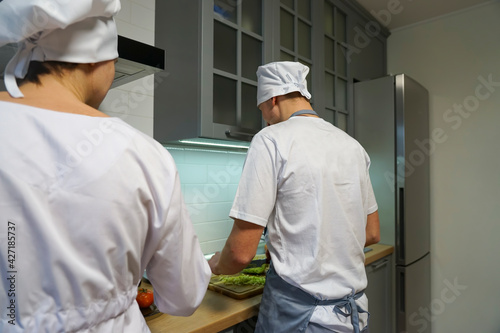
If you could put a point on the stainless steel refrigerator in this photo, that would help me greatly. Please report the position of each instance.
(391, 117)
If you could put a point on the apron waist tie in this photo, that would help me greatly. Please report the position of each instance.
(351, 308)
(286, 308)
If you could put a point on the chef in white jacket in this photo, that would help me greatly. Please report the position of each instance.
(87, 203)
(307, 182)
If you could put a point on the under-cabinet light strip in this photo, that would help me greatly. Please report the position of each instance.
(213, 144)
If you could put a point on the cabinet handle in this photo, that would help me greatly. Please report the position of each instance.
(380, 264)
(239, 135)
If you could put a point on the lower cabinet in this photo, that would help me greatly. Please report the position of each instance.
(379, 293)
(247, 326)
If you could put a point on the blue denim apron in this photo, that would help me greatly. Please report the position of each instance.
(286, 308)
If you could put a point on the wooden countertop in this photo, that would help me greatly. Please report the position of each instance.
(378, 252)
(218, 312)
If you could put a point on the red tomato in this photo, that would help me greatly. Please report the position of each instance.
(144, 297)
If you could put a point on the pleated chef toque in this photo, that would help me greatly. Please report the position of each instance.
(281, 78)
(81, 31)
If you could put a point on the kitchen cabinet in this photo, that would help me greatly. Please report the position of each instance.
(379, 293)
(213, 51)
(293, 32)
(336, 67)
(348, 53)
(367, 44)
(339, 41)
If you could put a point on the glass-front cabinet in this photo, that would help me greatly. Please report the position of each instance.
(238, 50)
(336, 108)
(213, 49)
(294, 33)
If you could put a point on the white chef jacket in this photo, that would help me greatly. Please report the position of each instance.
(308, 183)
(93, 203)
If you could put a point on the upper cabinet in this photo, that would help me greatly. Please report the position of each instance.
(336, 108)
(367, 43)
(349, 45)
(293, 36)
(213, 49)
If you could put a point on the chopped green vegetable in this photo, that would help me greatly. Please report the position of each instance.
(243, 279)
(255, 270)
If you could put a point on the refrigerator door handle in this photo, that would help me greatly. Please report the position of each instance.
(402, 301)
(401, 225)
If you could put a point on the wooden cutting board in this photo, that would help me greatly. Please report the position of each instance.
(234, 291)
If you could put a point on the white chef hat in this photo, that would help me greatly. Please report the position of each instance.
(280, 78)
(81, 31)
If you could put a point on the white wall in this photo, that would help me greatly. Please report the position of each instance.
(133, 102)
(452, 57)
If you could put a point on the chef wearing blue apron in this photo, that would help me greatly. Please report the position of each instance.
(307, 183)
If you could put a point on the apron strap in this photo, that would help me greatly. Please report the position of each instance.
(298, 113)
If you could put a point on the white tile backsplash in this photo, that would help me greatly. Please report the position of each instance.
(209, 181)
(150, 4)
(192, 173)
(144, 86)
(143, 17)
(203, 193)
(143, 124)
(212, 246)
(125, 13)
(211, 230)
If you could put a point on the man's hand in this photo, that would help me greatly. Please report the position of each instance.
(213, 262)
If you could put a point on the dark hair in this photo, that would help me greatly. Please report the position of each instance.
(38, 68)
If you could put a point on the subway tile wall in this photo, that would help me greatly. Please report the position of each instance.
(209, 180)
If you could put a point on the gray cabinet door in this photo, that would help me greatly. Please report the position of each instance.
(366, 45)
(379, 293)
(213, 49)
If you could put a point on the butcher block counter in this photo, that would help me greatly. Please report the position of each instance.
(218, 312)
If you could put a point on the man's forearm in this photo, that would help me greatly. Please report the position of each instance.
(239, 250)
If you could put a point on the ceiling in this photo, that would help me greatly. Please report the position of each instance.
(399, 13)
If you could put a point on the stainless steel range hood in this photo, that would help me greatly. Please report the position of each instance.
(136, 60)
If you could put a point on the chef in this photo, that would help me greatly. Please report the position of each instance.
(307, 182)
(87, 203)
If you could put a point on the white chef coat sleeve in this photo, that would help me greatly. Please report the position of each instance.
(256, 194)
(177, 268)
(370, 201)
